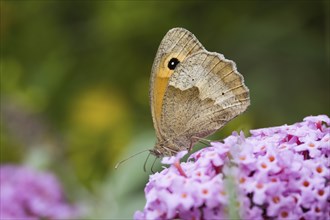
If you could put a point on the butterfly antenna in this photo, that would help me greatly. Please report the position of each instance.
(145, 162)
(152, 166)
(120, 162)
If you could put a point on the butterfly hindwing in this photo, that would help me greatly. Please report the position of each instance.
(204, 93)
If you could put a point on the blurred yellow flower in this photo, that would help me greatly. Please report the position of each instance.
(98, 109)
(100, 128)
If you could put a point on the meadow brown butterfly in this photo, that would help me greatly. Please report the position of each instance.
(193, 92)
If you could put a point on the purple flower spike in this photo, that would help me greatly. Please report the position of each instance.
(26, 194)
(279, 173)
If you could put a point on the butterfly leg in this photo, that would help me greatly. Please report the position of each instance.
(204, 141)
(152, 166)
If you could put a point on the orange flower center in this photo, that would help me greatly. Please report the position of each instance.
(311, 144)
(223, 193)
(276, 199)
(260, 185)
(321, 192)
(205, 191)
(271, 158)
(305, 183)
(319, 169)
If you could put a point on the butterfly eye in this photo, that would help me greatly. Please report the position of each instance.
(172, 63)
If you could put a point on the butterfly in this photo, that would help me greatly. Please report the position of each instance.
(193, 92)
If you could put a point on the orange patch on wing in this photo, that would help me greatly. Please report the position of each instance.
(161, 82)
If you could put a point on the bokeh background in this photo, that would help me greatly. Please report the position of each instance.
(75, 81)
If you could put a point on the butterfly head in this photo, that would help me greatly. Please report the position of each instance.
(164, 148)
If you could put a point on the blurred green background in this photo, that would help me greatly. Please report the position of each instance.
(75, 81)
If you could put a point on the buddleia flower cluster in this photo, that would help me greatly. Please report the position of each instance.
(278, 173)
(28, 194)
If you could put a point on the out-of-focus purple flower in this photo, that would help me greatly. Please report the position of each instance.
(280, 173)
(27, 194)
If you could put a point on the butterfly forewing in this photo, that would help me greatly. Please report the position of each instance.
(177, 44)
